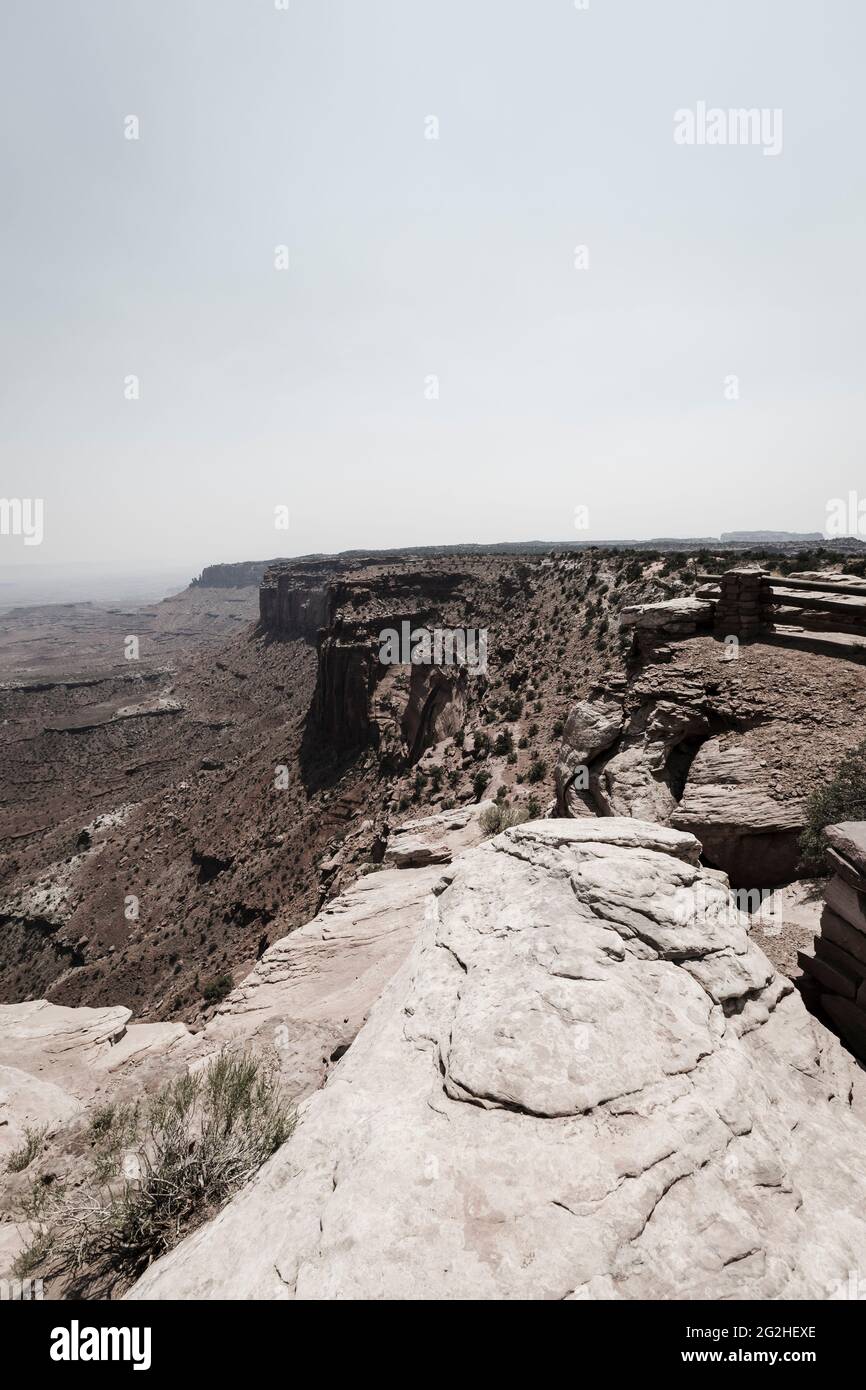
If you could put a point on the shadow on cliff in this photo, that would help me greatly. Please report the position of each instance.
(321, 764)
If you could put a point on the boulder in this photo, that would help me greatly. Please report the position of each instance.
(742, 827)
(673, 616)
(592, 726)
(436, 839)
(585, 1081)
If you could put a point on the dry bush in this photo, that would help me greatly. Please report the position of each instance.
(163, 1168)
(498, 818)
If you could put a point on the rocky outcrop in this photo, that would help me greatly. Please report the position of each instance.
(297, 599)
(742, 827)
(241, 575)
(675, 617)
(301, 1008)
(711, 744)
(347, 676)
(585, 1081)
(836, 972)
(436, 706)
(592, 726)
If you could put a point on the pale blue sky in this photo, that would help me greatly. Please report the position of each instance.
(412, 257)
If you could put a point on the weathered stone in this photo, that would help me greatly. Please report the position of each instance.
(846, 902)
(834, 928)
(549, 1101)
(845, 870)
(661, 617)
(591, 728)
(848, 839)
(435, 839)
(741, 825)
(828, 976)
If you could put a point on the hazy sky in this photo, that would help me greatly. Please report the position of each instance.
(411, 258)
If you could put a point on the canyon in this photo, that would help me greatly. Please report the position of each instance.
(260, 836)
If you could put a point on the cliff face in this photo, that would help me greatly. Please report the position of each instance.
(344, 607)
(585, 1081)
(236, 576)
(296, 598)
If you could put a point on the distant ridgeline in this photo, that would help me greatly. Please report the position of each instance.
(252, 572)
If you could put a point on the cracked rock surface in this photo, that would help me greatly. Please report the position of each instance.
(585, 1081)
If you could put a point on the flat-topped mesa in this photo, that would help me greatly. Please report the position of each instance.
(296, 599)
(244, 574)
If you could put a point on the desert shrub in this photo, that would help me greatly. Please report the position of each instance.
(498, 818)
(24, 1155)
(113, 1129)
(533, 808)
(842, 798)
(217, 989)
(200, 1138)
(479, 783)
(537, 770)
(504, 742)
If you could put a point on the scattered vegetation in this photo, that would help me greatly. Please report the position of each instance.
(843, 798)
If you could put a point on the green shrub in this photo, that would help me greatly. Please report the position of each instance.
(537, 770)
(217, 989)
(479, 783)
(842, 798)
(504, 742)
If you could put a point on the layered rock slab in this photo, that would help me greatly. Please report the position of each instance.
(585, 1081)
(300, 1008)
